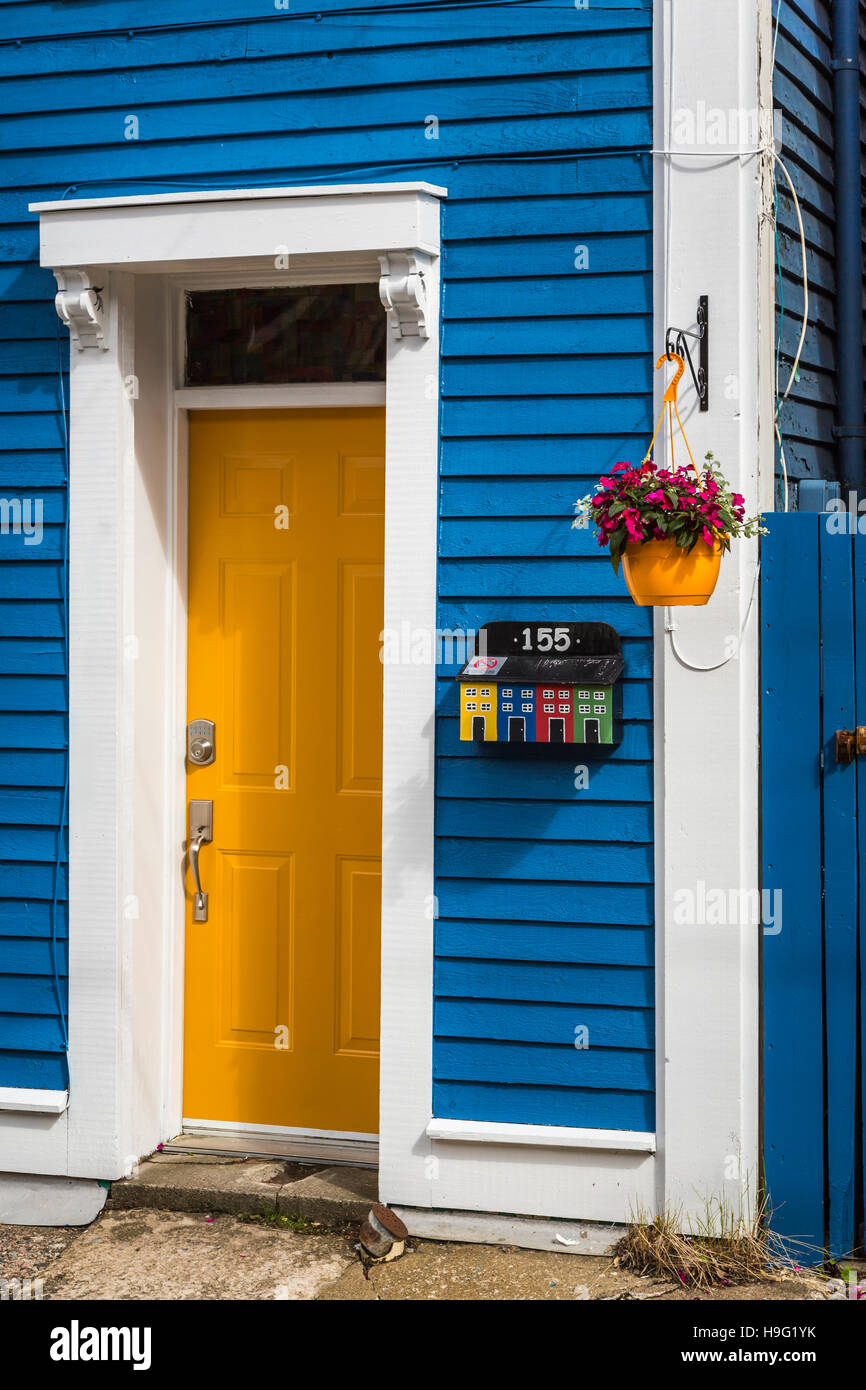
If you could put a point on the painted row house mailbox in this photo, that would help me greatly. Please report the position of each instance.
(542, 683)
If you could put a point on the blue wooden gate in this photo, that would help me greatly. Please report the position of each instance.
(813, 682)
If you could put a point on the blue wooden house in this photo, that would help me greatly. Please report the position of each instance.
(314, 323)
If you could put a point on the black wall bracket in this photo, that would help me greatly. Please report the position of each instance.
(675, 341)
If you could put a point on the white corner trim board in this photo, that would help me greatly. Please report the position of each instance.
(707, 215)
(482, 1228)
(35, 1102)
(542, 1136)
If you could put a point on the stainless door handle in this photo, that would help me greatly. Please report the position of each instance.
(200, 833)
(200, 909)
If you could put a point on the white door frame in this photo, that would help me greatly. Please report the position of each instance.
(187, 400)
(117, 262)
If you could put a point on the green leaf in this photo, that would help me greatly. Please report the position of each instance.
(617, 546)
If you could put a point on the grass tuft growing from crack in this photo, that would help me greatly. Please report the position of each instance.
(723, 1248)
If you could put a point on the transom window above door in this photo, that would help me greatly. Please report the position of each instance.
(301, 333)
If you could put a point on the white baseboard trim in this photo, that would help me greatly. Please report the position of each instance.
(33, 1101)
(542, 1136)
(526, 1232)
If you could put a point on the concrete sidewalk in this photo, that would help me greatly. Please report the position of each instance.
(142, 1254)
(198, 1227)
(145, 1254)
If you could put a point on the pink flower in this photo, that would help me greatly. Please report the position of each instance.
(738, 499)
(631, 518)
(708, 536)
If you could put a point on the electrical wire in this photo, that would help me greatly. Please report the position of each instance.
(671, 627)
(367, 12)
(328, 175)
(776, 423)
(783, 463)
(805, 324)
(780, 400)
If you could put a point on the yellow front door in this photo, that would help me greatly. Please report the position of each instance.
(286, 582)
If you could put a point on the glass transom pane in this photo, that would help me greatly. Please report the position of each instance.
(299, 333)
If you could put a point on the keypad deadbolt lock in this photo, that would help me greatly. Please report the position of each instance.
(200, 744)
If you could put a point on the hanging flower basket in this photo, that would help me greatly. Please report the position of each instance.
(668, 527)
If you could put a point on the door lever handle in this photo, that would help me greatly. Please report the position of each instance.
(200, 904)
(200, 833)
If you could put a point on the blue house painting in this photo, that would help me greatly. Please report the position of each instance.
(516, 703)
(314, 324)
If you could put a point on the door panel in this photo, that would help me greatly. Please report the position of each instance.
(813, 684)
(286, 598)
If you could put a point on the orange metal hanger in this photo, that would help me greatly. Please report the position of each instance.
(669, 400)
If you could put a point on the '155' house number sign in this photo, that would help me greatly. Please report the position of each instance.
(553, 683)
(549, 639)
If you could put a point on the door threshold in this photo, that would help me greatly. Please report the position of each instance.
(270, 1141)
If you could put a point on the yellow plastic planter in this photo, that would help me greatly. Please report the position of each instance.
(661, 574)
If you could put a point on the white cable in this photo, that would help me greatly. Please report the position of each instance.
(805, 323)
(671, 627)
(675, 152)
(783, 464)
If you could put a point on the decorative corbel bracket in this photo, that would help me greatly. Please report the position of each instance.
(404, 294)
(80, 306)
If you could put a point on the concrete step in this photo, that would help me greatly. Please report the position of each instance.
(253, 1187)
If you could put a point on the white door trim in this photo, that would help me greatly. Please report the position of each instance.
(128, 635)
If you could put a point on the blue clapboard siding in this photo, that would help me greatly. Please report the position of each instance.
(803, 93)
(545, 893)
